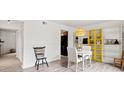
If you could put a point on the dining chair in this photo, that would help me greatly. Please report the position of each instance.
(119, 61)
(87, 55)
(40, 56)
(73, 57)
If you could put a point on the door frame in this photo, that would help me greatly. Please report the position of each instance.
(62, 31)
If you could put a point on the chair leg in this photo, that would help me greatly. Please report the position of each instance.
(47, 63)
(83, 64)
(122, 67)
(38, 65)
(42, 62)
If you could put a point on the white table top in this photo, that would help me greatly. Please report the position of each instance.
(84, 52)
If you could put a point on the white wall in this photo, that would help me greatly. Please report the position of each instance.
(37, 34)
(19, 42)
(9, 38)
(111, 30)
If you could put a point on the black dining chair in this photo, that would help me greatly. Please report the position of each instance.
(40, 56)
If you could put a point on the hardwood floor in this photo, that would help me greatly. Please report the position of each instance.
(10, 63)
(61, 66)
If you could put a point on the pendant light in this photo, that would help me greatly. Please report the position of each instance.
(80, 32)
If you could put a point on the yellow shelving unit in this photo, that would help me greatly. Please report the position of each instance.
(95, 40)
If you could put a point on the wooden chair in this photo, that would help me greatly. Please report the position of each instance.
(40, 56)
(119, 61)
(122, 65)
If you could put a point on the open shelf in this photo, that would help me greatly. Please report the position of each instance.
(95, 40)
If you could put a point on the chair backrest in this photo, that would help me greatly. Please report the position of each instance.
(39, 51)
(86, 48)
(123, 54)
(72, 54)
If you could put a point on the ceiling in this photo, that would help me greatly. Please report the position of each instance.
(11, 25)
(77, 23)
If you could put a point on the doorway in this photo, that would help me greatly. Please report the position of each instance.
(8, 42)
(9, 50)
(64, 43)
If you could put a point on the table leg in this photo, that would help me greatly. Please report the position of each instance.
(83, 63)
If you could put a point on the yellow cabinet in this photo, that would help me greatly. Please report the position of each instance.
(95, 40)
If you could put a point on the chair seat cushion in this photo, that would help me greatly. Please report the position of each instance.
(41, 58)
